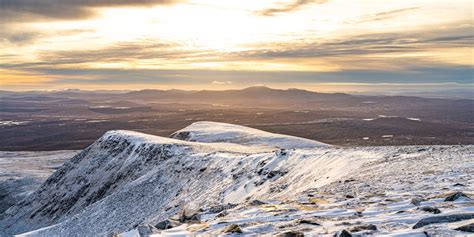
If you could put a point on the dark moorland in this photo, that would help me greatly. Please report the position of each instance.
(73, 119)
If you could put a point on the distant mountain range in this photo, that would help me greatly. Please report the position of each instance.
(258, 96)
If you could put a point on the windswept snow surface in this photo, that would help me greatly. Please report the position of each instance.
(21, 173)
(128, 179)
(213, 132)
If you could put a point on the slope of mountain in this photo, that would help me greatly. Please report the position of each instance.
(212, 132)
(23, 172)
(127, 180)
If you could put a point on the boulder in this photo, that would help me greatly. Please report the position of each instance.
(146, 230)
(233, 229)
(343, 233)
(363, 228)
(455, 196)
(416, 201)
(166, 224)
(291, 233)
(307, 221)
(433, 210)
(466, 228)
(443, 219)
(256, 202)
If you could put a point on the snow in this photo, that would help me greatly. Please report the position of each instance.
(211, 132)
(12, 123)
(21, 173)
(126, 179)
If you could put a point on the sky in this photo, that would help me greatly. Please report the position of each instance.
(222, 44)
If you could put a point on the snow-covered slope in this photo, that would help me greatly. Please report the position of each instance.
(126, 180)
(21, 173)
(213, 132)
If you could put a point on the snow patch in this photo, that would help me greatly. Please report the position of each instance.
(211, 132)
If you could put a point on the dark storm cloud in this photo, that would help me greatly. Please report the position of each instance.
(24, 10)
(295, 5)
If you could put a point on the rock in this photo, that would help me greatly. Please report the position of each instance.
(358, 213)
(308, 221)
(112, 234)
(349, 196)
(416, 201)
(455, 196)
(220, 208)
(188, 218)
(233, 229)
(256, 202)
(146, 230)
(166, 224)
(433, 210)
(362, 228)
(222, 214)
(291, 233)
(276, 173)
(343, 233)
(466, 228)
(443, 219)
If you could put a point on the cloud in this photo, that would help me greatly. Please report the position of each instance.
(135, 52)
(385, 15)
(295, 5)
(26, 10)
(18, 37)
(385, 51)
(221, 82)
(368, 44)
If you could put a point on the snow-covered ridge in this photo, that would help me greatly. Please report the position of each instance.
(127, 179)
(211, 132)
(139, 138)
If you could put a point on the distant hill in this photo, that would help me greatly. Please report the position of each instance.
(252, 96)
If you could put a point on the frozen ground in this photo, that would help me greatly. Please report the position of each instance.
(21, 173)
(128, 183)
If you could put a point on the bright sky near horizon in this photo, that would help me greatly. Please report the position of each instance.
(211, 44)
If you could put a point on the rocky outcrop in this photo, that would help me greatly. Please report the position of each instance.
(443, 219)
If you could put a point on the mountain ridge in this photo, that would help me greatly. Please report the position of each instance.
(126, 179)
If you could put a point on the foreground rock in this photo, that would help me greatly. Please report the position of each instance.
(456, 196)
(359, 228)
(466, 228)
(443, 219)
(233, 229)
